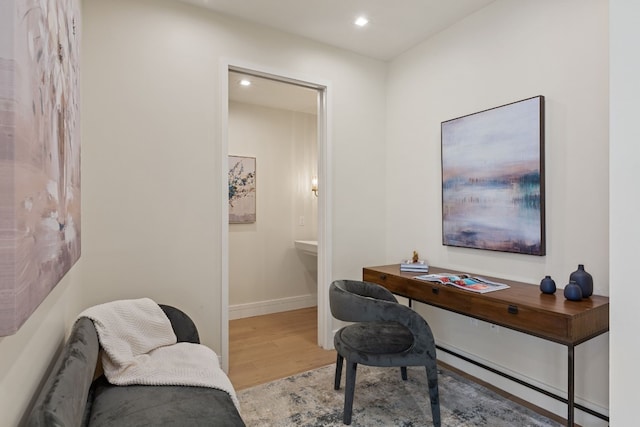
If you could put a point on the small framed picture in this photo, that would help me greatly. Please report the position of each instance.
(242, 190)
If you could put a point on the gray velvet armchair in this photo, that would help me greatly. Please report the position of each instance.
(386, 334)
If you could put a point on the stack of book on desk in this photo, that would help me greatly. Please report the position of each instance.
(419, 266)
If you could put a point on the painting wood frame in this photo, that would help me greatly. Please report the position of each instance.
(242, 190)
(493, 179)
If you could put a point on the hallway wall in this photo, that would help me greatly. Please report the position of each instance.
(624, 205)
(152, 167)
(503, 53)
(266, 272)
(151, 209)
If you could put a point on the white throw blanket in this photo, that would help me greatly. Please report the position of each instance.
(140, 348)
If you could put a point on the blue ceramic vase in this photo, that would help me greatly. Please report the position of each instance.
(572, 291)
(584, 280)
(547, 285)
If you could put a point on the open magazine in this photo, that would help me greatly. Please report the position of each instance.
(464, 281)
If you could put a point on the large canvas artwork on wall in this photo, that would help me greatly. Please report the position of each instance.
(242, 190)
(39, 152)
(493, 179)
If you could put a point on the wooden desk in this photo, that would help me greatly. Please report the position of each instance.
(522, 307)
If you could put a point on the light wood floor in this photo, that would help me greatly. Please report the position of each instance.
(266, 348)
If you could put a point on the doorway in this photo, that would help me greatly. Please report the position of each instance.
(322, 90)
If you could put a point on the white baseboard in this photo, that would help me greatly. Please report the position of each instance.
(240, 311)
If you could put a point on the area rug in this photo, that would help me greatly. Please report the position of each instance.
(382, 399)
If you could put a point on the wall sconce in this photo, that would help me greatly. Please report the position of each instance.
(314, 186)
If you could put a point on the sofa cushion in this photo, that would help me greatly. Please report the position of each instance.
(166, 406)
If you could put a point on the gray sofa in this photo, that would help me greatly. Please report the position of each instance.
(71, 396)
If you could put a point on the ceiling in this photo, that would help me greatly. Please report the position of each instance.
(271, 93)
(394, 25)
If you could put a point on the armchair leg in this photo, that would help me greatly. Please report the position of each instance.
(434, 396)
(349, 392)
(338, 376)
(403, 372)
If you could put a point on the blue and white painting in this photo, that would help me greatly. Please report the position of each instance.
(493, 179)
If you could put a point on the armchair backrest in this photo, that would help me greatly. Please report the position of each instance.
(356, 301)
(352, 300)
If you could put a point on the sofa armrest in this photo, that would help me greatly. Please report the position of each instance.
(182, 325)
(63, 399)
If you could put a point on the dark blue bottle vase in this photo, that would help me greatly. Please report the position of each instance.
(584, 280)
(572, 291)
(547, 285)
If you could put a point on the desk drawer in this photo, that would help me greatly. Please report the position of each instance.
(545, 324)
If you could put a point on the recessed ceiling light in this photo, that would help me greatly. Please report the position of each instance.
(361, 21)
(245, 82)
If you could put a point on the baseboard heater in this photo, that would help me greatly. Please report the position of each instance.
(524, 383)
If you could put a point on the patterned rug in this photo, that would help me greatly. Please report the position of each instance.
(382, 399)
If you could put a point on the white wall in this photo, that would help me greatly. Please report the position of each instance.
(623, 208)
(151, 147)
(151, 185)
(503, 53)
(26, 357)
(266, 272)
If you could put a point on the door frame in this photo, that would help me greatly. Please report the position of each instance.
(324, 110)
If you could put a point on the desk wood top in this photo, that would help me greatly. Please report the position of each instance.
(521, 307)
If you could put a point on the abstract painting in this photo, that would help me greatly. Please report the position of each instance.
(39, 152)
(493, 179)
(242, 190)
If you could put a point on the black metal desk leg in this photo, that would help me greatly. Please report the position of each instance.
(570, 385)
